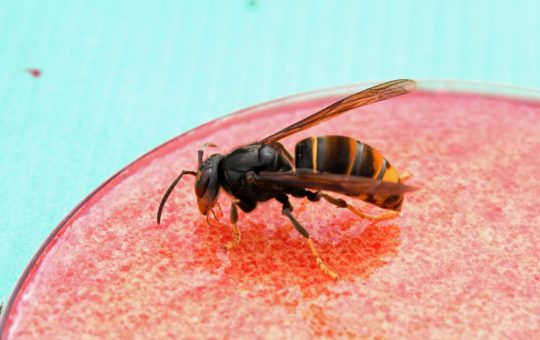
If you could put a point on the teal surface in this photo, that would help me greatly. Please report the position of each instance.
(120, 77)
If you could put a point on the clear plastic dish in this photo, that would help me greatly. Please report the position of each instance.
(462, 259)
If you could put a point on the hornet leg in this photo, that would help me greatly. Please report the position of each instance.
(287, 211)
(405, 176)
(341, 203)
(236, 233)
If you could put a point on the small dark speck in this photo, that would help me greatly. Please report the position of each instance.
(253, 3)
(34, 72)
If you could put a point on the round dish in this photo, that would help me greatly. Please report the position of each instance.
(462, 259)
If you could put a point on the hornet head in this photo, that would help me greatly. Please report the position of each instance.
(206, 183)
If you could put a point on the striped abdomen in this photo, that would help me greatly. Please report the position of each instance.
(347, 156)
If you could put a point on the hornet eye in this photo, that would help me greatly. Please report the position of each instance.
(202, 182)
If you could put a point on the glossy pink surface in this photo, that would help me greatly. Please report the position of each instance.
(462, 260)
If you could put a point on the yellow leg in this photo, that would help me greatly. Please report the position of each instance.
(236, 238)
(404, 176)
(381, 217)
(343, 204)
(324, 268)
(287, 211)
(236, 233)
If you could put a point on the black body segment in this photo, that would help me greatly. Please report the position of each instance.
(243, 163)
(340, 155)
(348, 156)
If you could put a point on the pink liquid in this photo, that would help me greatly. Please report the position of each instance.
(461, 261)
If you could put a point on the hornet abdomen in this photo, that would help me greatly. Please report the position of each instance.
(348, 156)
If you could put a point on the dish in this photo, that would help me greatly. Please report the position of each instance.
(462, 259)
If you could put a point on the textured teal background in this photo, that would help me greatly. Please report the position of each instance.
(120, 77)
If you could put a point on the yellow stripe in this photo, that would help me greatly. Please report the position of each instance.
(391, 174)
(314, 152)
(353, 148)
(377, 162)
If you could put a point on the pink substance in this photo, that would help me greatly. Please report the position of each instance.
(462, 261)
